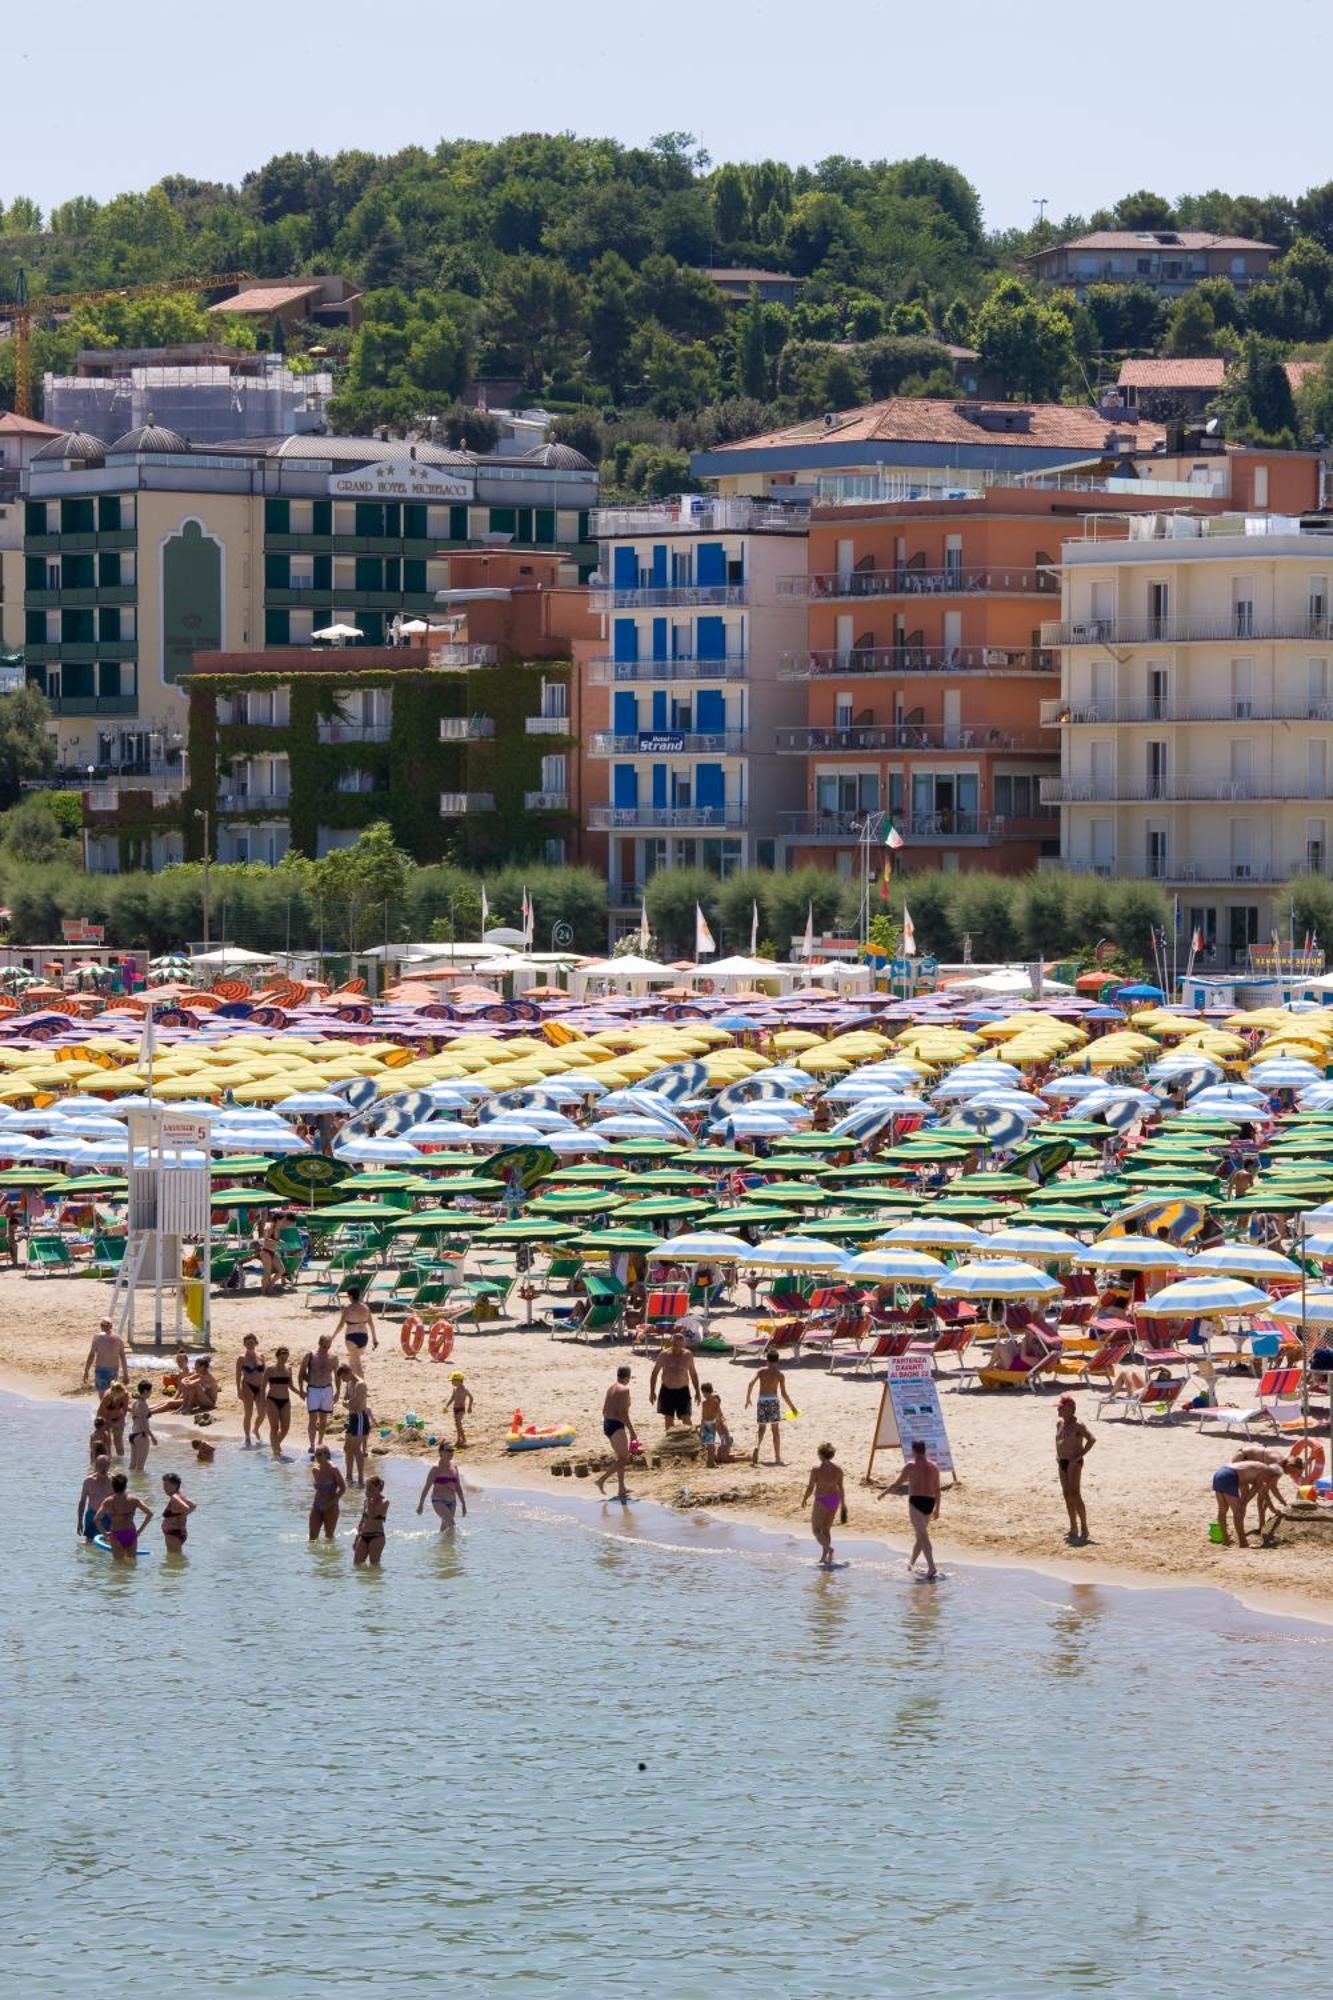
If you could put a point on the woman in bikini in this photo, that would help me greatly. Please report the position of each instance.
(360, 1417)
(278, 1398)
(826, 1488)
(356, 1324)
(251, 1368)
(272, 1275)
(175, 1514)
(369, 1544)
(445, 1490)
(121, 1509)
(1073, 1442)
(329, 1487)
(112, 1411)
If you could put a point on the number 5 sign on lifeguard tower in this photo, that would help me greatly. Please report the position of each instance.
(909, 1408)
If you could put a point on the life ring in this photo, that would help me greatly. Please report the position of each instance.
(1305, 1461)
(441, 1340)
(412, 1335)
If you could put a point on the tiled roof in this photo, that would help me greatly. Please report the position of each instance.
(745, 274)
(926, 420)
(1299, 371)
(1157, 239)
(264, 298)
(16, 426)
(1204, 371)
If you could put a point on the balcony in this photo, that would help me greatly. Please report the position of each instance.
(913, 736)
(255, 802)
(1188, 872)
(85, 541)
(917, 660)
(611, 673)
(1066, 714)
(546, 802)
(76, 596)
(708, 517)
(94, 704)
(466, 728)
(235, 713)
(669, 742)
(998, 581)
(547, 725)
(81, 652)
(354, 732)
(630, 819)
(460, 805)
(106, 799)
(662, 596)
(940, 828)
(457, 659)
(1188, 630)
(1178, 791)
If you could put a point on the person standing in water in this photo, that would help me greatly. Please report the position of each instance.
(112, 1411)
(316, 1381)
(360, 1417)
(175, 1513)
(141, 1434)
(93, 1496)
(107, 1358)
(1073, 1442)
(825, 1487)
(618, 1429)
(250, 1369)
(444, 1488)
(356, 1324)
(369, 1544)
(920, 1481)
(122, 1509)
(278, 1399)
(329, 1487)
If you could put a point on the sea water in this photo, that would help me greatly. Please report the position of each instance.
(599, 1751)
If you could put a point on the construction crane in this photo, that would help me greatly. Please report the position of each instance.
(23, 311)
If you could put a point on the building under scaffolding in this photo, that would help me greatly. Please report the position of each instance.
(209, 394)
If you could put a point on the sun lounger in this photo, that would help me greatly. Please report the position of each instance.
(1104, 1361)
(1154, 1403)
(47, 1254)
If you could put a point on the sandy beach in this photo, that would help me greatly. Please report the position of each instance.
(1147, 1488)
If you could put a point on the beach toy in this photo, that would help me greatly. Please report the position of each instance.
(441, 1340)
(412, 1334)
(535, 1439)
(1215, 1531)
(787, 1415)
(1305, 1460)
(1305, 1493)
(101, 1542)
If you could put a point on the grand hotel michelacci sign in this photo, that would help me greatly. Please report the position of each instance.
(401, 479)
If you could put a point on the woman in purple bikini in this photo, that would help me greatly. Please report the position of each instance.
(121, 1509)
(826, 1487)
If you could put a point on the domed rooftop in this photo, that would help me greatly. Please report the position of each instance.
(148, 437)
(559, 457)
(79, 445)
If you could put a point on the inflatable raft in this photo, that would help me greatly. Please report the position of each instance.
(538, 1437)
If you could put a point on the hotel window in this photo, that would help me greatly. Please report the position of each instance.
(1316, 700)
(555, 701)
(1015, 796)
(1155, 855)
(1242, 607)
(356, 781)
(844, 706)
(555, 773)
(1318, 600)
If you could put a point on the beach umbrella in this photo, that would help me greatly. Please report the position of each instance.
(1246, 1260)
(1314, 1308)
(997, 1125)
(311, 1104)
(997, 1281)
(1213, 1297)
(614, 1238)
(663, 1208)
(796, 1253)
(749, 1217)
(708, 1247)
(384, 1152)
(523, 1231)
(1061, 1215)
(1169, 1219)
(894, 1267)
(1131, 1253)
(1284, 1073)
(1036, 1243)
(933, 1233)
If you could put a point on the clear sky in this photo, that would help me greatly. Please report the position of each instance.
(1075, 103)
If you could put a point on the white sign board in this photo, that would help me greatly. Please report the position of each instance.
(910, 1409)
(401, 479)
(183, 1134)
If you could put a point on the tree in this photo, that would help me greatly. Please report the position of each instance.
(1144, 210)
(1259, 393)
(1028, 344)
(1191, 327)
(730, 204)
(670, 898)
(535, 313)
(355, 884)
(610, 320)
(678, 375)
(946, 188)
(752, 371)
(1314, 402)
(31, 832)
(583, 431)
(26, 749)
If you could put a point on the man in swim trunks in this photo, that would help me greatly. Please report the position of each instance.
(107, 1359)
(772, 1386)
(93, 1496)
(674, 1368)
(920, 1481)
(316, 1380)
(1235, 1485)
(618, 1429)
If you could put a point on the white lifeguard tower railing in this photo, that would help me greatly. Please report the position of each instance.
(169, 1208)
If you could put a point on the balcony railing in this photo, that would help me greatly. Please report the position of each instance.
(1190, 871)
(94, 704)
(905, 581)
(233, 713)
(546, 802)
(1178, 791)
(647, 818)
(255, 802)
(547, 725)
(608, 673)
(458, 658)
(979, 829)
(711, 517)
(466, 728)
(457, 805)
(839, 661)
(354, 732)
(668, 742)
(913, 736)
(656, 596)
(107, 798)
(1187, 630)
(1056, 713)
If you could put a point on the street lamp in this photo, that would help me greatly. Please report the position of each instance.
(871, 827)
(201, 812)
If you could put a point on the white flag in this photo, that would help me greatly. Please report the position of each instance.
(485, 914)
(810, 930)
(754, 929)
(909, 934)
(703, 937)
(528, 918)
(645, 934)
(148, 1046)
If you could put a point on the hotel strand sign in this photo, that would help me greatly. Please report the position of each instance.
(402, 479)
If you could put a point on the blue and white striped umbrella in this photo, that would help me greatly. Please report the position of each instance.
(796, 1253)
(859, 1127)
(1069, 1088)
(995, 1123)
(631, 1125)
(1246, 1260)
(894, 1267)
(1212, 1297)
(1189, 1072)
(458, 1090)
(380, 1153)
(1318, 1097)
(1315, 1309)
(998, 1281)
(708, 1246)
(939, 1233)
(1284, 1073)
(311, 1104)
(1031, 1241)
(1227, 1097)
(1131, 1253)
(503, 1132)
(439, 1132)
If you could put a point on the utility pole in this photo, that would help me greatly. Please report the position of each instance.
(201, 812)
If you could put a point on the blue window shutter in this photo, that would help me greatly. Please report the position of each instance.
(626, 785)
(625, 567)
(711, 639)
(659, 784)
(710, 711)
(659, 708)
(626, 639)
(660, 566)
(710, 563)
(708, 785)
(625, 719)
(660, 639)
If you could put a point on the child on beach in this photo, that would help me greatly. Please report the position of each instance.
(713, 1433)
(141, 1435)
(460, 1404)
(99, 1442)
(772, 1386)
(360, 1417)
(175, 1513)
(825, 1487)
